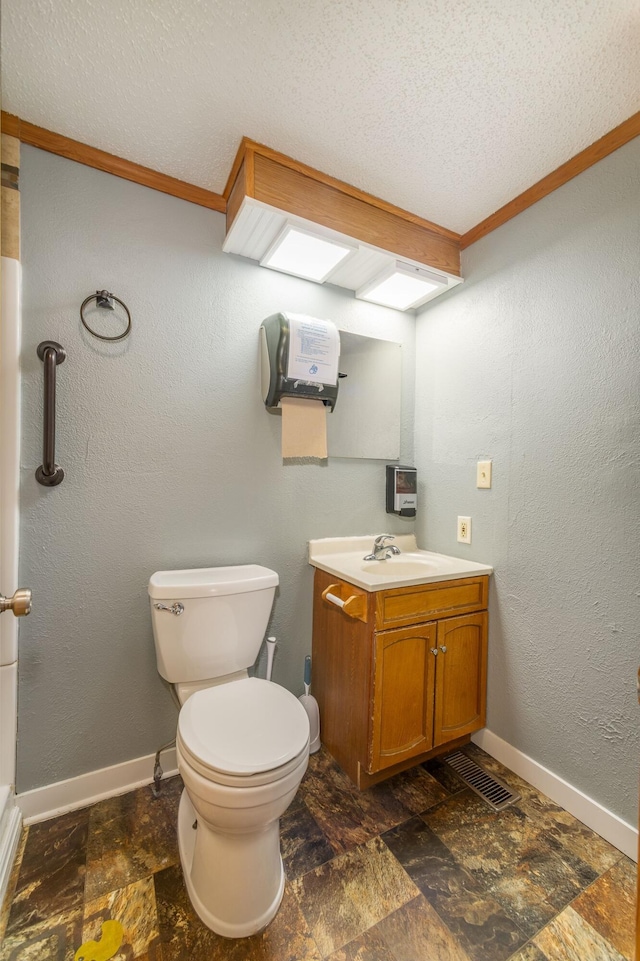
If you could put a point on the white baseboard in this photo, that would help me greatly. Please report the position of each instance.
(10, 827)
(77, 792)
(54, 799)
(608, 825)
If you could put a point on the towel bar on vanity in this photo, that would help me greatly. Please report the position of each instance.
(353, 606)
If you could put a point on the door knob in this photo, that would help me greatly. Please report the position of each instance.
(20, 603)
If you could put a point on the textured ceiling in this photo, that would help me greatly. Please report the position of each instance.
(448, 108)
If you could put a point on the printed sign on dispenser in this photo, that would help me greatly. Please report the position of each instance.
(314, 350)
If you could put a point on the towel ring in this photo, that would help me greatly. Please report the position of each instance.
(105, 300)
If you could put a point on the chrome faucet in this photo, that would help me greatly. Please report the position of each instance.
(382, 551)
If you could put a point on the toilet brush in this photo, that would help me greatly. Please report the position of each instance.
(310, 705)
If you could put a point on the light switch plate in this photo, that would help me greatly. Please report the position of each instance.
(483, 477)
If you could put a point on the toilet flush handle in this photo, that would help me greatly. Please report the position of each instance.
(176, 608)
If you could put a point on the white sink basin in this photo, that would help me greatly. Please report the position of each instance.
(344, 558)
(403, 566)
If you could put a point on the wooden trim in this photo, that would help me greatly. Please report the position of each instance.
(345, 188)
(235, 167)
(618, 137)
(240, 182)
(236, 196)
(284, 187)
(284, 183)
(250, 173)
(10, 124)
(101, 160)
(250, 149)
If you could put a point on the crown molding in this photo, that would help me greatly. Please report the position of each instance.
(325, 188)
(55, 143)
(626, 131)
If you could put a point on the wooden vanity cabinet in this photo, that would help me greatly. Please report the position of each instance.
(402, 676)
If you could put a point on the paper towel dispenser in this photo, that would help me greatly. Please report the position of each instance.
(299, 357)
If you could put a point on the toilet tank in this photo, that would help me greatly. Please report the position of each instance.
(222, 625)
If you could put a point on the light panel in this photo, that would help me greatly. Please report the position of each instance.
(305, 254)
(401, 286)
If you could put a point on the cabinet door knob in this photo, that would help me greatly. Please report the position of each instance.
(434, 650)
(443, 648)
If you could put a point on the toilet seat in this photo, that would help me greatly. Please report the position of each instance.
(238, 782)
(243, 732)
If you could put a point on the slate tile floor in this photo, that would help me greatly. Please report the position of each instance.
(416, 869)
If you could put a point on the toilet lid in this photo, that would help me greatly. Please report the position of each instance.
(244, 727)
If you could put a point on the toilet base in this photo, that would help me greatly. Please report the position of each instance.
(226, 875)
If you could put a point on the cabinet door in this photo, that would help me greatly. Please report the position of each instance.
(402, 720)
(461, 677)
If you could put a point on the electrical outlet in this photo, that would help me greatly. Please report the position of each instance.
(464, 530)
(483, 475)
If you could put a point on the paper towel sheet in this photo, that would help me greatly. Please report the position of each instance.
(304, 428)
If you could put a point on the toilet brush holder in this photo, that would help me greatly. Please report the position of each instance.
(310, 705)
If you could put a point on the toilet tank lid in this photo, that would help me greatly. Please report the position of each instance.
(211, 581)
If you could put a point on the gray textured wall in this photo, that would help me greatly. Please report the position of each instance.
(170, 457)
(535, 363)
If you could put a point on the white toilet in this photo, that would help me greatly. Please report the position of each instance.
(242, 743)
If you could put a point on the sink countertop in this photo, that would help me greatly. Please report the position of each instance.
(344, 558)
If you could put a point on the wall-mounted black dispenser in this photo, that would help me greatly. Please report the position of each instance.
(402, 490)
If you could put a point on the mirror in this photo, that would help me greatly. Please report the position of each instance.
(366, 419)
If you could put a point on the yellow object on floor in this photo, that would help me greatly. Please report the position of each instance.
(106, 947)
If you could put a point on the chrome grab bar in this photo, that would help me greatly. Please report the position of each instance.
(49, 473)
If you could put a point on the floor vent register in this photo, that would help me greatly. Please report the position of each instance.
(490, 788)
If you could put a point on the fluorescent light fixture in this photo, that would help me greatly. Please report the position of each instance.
(401, 286)
(305, 254)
